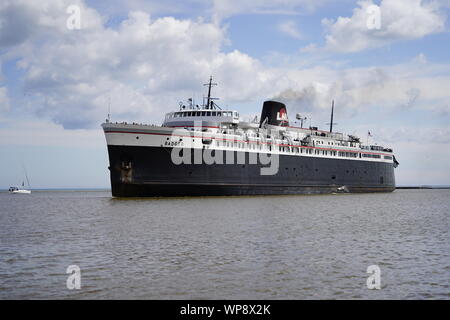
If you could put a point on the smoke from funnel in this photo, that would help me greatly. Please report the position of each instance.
(306, 99)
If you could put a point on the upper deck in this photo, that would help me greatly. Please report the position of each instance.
(223, 129)
(197, 117)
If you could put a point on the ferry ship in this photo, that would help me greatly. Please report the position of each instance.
(205, 150)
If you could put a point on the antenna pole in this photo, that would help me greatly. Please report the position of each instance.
(332, 111)
(209, 92)
(332, 114)
(109, 108)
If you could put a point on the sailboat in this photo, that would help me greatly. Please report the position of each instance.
(21, 190)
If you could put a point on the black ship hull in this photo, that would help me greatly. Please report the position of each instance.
(149, 172)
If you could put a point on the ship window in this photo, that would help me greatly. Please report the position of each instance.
(219, 114)
(208, 113)
(184, 114)
(214, 113)
(203, 113)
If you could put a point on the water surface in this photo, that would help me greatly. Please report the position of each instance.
(270, 247)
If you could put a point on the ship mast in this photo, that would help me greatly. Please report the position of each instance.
(332, 111)
(210, 84)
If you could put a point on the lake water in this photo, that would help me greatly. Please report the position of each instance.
(271, 247)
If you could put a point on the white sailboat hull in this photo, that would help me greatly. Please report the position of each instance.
(21, 191)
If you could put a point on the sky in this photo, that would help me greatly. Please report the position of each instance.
(65, 63)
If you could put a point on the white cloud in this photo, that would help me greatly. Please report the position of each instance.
(413, 85)
(291, 29)
(399, 20)
(144, 66)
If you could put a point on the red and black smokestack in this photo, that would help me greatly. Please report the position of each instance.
(275, 113)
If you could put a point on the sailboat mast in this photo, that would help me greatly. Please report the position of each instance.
(26, 176)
